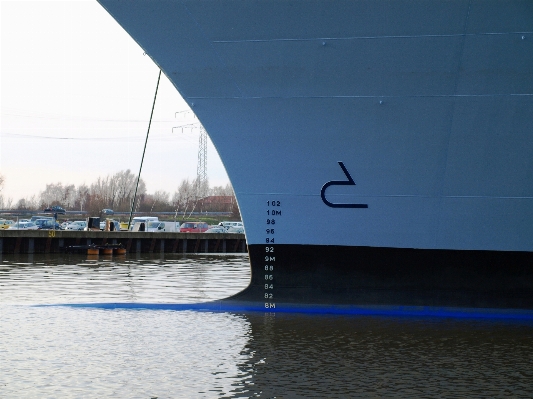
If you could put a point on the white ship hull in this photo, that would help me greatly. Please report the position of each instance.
(427, 105)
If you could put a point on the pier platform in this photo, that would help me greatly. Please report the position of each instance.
(58, 241)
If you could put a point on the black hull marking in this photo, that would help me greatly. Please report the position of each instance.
(338, 275)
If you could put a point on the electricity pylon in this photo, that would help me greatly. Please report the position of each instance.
(201, 169)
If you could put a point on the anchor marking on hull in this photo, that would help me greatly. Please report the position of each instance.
(350, 182)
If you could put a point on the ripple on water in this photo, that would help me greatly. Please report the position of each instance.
(63, 352)
(74, 279)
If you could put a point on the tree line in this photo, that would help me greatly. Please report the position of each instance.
(116, 192)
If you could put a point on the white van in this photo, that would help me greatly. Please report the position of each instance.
(143, 219)
(163, 226)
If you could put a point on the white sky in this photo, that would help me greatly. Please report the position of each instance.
(76, 97)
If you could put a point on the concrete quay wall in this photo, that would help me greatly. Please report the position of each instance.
(57, 241)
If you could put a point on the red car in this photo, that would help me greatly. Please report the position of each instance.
(193, 227)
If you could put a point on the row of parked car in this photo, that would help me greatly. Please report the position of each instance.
(40, 223)
(188, 227)
(150, 225)
(228, 227)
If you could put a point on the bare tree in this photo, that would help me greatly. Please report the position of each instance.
(5, 203)
(27, 203)
(116, 192)
(161, 198)
(201, 188)
(220, 190)
(2, 201)
(82, 196)
(70, 196)
(100, 189)
(185, 196)
(53, 194)
(125, 182)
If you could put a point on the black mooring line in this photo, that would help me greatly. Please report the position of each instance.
(144, 150)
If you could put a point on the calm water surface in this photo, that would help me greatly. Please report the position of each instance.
(62, 352)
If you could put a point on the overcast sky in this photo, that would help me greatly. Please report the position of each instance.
(76, 97)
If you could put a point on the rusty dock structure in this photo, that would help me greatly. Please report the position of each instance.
(60, 241)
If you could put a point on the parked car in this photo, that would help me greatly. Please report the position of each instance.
(227, 225)
(216, 229)
(47, 224)
(108, 211)
(77, 225)
(5, 223)
(194, 227)
(236, 229)
(163, 227)
(23, 226)
(55, 209)
(37, 217)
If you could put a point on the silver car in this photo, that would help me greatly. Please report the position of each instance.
(216, 229)
(23, 226)
(77, 225)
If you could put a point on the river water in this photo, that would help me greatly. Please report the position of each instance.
(65, 352)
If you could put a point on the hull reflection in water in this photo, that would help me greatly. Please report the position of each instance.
(92, 353)
(301, 356)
